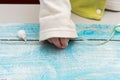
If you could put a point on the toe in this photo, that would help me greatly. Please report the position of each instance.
(50, 41)
(56, 42)
(64, 42)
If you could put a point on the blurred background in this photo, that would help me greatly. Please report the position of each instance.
(27, 11)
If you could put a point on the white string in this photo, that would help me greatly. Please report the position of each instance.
(89, 42)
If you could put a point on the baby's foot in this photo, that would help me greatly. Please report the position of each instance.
(59, 42)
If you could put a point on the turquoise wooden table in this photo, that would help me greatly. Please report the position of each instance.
(43, 61)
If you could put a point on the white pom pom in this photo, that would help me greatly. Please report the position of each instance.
(22, 34)
(117, 29)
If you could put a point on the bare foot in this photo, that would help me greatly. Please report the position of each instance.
(59, 42)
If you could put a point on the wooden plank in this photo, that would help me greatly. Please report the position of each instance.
(87, 31)
(42, 61)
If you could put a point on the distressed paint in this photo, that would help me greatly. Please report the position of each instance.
(42, 61)
(89, 31)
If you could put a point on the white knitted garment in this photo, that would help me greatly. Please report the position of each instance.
(113, 5)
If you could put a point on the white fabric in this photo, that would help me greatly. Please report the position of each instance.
(113, 5)
(55, 19)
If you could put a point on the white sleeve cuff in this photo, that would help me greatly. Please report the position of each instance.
(44, 35)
